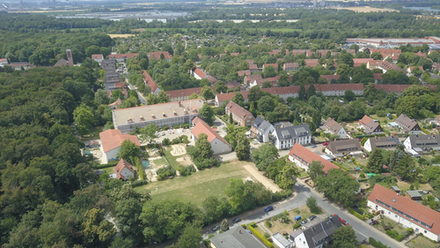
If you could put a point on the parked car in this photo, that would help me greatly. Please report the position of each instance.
(215, 228)
(236, 220)
(268, 209)
(312, 217)
(304, 222)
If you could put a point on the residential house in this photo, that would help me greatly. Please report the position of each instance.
(311, 62)
(378, 77)
(121, 57)
(339, 148)
(332, 127)
(318, 235)
(303, 157)
(124, 170)
(370, 126)
(386, 53)
(285, 135)
(162, 115)
(290, 66)
(339, 89)
(3, 62)
(159, 55)
(252, 79)
(239, 114)
(111, 142)
(115, 104)
(244, 73)
(222, 98)
(149, 81)
(299, 52)
(361, 61)
(261, 129)
(382, 142)
(183, 94)
(198, 73)
(98, 57)
(253, 68)
(383, 65)
(237, 237)
(218, 144)
(20, 66)
(417, 145)
(408, 125)
(281, 242)
(415, 195)
(398, 88)
(274, 66)
(401, 209)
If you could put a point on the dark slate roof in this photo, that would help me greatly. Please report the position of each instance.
(287, 133)
(384, 142)
(318, 234)
(236, 238)
(424, 142)
(261, 124)
(407, 124)
(349, 145)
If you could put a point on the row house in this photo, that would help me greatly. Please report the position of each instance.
(417, 145)
(334, 128)
(239, 114)
(381, 142)
(149, 81)
(218, 144)
(303, 157)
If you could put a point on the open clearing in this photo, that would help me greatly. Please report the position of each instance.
(114, 36)
(200, 185)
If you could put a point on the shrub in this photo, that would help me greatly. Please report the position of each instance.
(186, 170)
(358, 215)
(297, 225)
(138, 183)
(102, 166)
(376, 244)
(395, 235)
(261, 237)
(268, 224)
(166, 142)
(165, 172)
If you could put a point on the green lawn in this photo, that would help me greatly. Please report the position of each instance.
(396, 230)
(170, 158)
(197, 187)
(421, 241)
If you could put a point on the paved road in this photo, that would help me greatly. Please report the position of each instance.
(302, 192)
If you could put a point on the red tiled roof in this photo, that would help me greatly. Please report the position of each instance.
(282, 90)
(183, 93)
(123, 55)
(301, 52)
(157, 55)
(361, 61)
(97, 56)
(381, 195)
(290, 66)
(387, 52)
(252, 78)
(199, 72)
(274, 52)
(120, 166)
(309, 156)
(238, 110)
(366, 120)
(311, 62)
(338, 87)
(253, 67)
(223, 97)
(377, 76)
(201, 127)
(113, 138)
(243, 73)
(150, 81)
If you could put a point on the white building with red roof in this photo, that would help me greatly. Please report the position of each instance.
(98, 58)
(3, 62)
(149, 81)
(401, 209)
(218, 144)
(303, 157)
(111, 142)
(124, 170)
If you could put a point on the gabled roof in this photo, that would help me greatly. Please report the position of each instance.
(316, 234)
(150, 81)
(330, 77)
(406, 123)
(424, 142)
(384, 141)
(183, 92)
(287, 66)
(199, 72)
(157, 55)
(113, 138)
(309, 156)
(243, 73)
(120, 166)
(361, 61)
(123, 56)
(348, 145)
(338, 87)
(332, 125)
(275, 66)
(223, 97)
(201, 127)
(311, 62)
(97, 56)
(430, 218)
(237, 237)
(239, 110)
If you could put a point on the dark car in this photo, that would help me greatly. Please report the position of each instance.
(268, 209)
(236, 220)
(215, 228)
(312, 217)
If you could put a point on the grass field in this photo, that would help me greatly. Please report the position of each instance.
(199, 186)
(421, 241)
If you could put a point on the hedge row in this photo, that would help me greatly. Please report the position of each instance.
(376, 244)
(260, 236)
